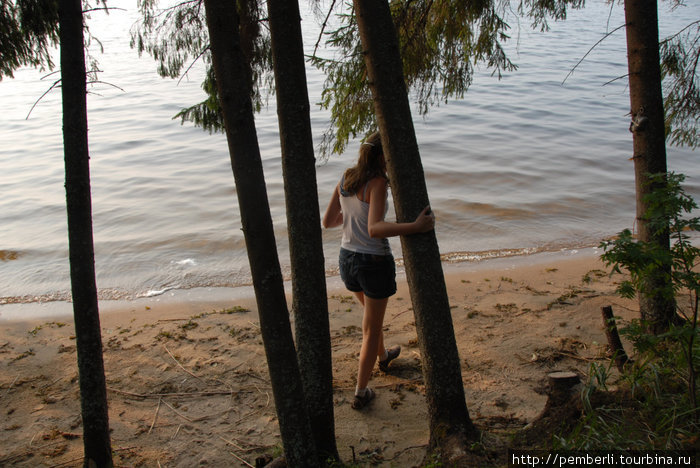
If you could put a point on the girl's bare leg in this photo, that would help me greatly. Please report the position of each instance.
(380, 349)
(372, 336)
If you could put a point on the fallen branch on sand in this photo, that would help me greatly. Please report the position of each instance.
(174, 394)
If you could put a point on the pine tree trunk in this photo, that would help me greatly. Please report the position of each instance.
(234, 86)
(93, 390)
(450, 424)
(310, 301)
(649, 143)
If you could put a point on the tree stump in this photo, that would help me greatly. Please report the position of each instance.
(559, 394)
(561, 411)
(266, 461)
(563, 380)
(560, 388)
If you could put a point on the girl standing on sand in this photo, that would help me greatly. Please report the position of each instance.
(366, 263)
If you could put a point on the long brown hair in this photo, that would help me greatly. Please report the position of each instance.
(369, 165)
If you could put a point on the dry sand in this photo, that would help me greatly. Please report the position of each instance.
(188, 383)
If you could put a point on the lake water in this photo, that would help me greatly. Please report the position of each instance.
(520, 165)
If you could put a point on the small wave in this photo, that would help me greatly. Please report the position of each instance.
(157, 292)
(455, 257)
(226, 281)
(186, 262)
(64, 296)
(40, 298)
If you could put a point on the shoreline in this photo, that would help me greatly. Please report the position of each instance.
(188, 383)
(201, 299)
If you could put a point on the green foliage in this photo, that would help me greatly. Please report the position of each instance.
(207, 114)
(660, 410)
(345, 92)
(28, 29)
(29, 33)
(177, 37)
(667, 206)
(433, 461)
(680, 54)
(540, 10)
(649, 408)
(173, 36)
(441, 41)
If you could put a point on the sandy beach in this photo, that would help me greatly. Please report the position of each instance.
(188, 384)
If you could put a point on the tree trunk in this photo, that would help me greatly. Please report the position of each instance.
(310, 301)
(93, 390)
(613, 337)
(234, 84)
(649, 145)
(449, 417)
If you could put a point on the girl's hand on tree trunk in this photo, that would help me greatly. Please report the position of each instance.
(425, 221)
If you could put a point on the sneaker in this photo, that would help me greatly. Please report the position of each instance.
(361, 401)
(393, 353)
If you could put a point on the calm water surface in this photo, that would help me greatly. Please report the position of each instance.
(519, 165)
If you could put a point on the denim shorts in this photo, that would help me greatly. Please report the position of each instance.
(374, 275)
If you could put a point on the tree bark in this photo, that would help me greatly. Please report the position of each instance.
(234, 84)
(310, 301)
(649, 146)
(614, 342)
(93, 389)
(450, 424)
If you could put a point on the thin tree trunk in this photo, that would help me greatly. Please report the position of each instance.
(310, 301)
(450, 424)
(649, 145)
(93, 390)
(614, 342)
(234, 85)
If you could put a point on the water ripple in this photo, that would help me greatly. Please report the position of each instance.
(517, 166)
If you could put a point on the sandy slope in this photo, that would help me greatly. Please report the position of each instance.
(188, 383)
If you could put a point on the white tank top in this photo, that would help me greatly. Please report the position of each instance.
(356, 236)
